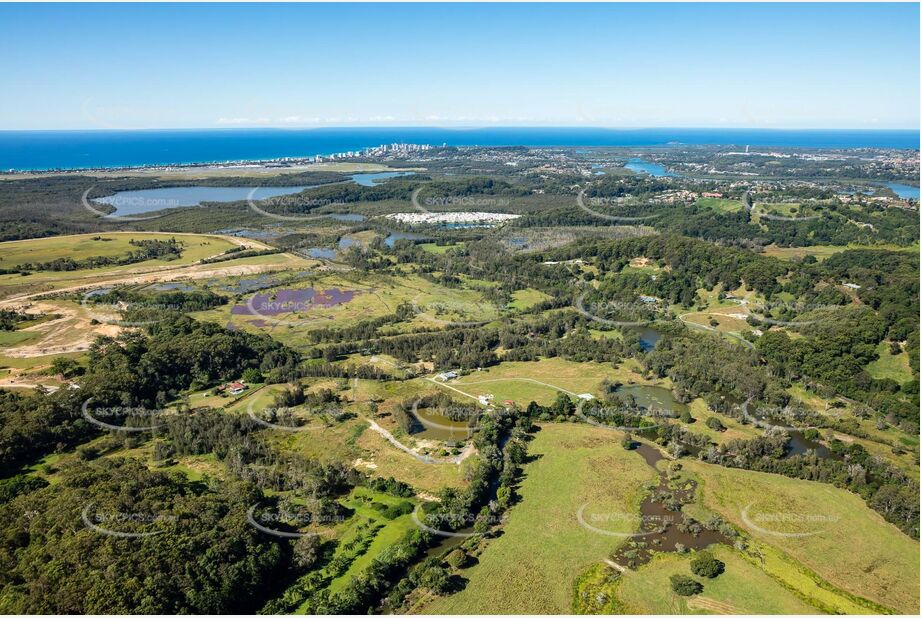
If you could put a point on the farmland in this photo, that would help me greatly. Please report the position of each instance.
(531, 568)
(742, 589)
(808, 524)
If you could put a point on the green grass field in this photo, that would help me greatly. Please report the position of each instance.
(110, 244)
(353, 443)
(524, 299)
(783, 209)
(719, 204)
(440, 249)
(742, 588)
(523, 382)
(195, 248)
(10, 338)
(848, 545)
(822, 252)
(734, 429)
(532, 566)
(390, 534)
(366, 523)
(888, 366)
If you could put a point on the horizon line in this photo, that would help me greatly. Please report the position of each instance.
(459, 128)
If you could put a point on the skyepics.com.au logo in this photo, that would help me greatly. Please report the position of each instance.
(449, 313)
(286, 522)
(130, 419)
(422, 204)
(127, 203)
(622, 416)
(454, 419)
(612, 312)
(456, 524)
(766, 417)
(288, 419)
(126, 524)
(107, 308)
(787, 523)
(793, 313)
(288, 207)
(614, 209)
(619, 524)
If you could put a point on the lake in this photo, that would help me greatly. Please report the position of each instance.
(645, 167)
(904, 191)
(144, 201)
(150, 200)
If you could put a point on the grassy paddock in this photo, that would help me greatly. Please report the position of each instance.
(848, 545)
(109, 244)
(719, 204)
(894, 367)
(523, 382)
(532, 566)
(822, 252)
(742, 589)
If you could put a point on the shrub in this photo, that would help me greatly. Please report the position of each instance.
(705, 565)
(685, 586)
(457, 559)
(252, 376)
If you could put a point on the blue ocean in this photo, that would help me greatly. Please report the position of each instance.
(39, 150)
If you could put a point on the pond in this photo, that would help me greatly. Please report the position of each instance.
(651, 398)
(645, 167)
(345, 242)
(800, 445)
(321, 253)
(649, 337)
(661, 528)
(244, 285)
(395, 236)
(282, 301)
(252, 234)
(437, 426)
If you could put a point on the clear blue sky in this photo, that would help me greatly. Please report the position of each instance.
(640, 65)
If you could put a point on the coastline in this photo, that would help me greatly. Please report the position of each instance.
(59, 152)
